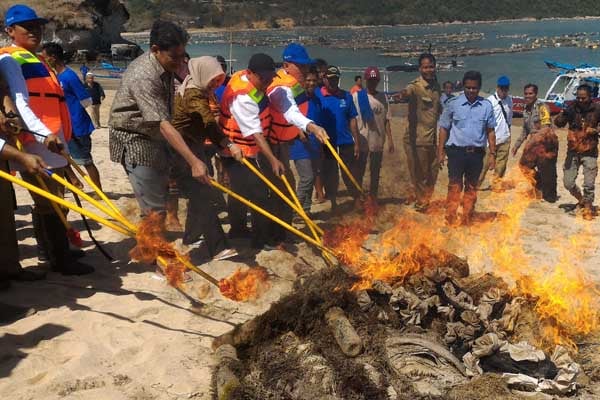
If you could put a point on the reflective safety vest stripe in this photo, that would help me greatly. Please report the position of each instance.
(280, 129)
(238, 86)
(46, 97)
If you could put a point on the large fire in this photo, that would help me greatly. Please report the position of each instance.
(565, 296)
(242, 285)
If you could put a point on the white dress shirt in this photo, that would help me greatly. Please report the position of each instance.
(503, 119)
(282, 100)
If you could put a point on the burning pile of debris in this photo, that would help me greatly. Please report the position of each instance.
(425, 336)
(402, 324)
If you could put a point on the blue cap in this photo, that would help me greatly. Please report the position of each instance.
(296, 53)
(503, 81)
(21, 13)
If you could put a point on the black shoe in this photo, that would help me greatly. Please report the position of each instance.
(57, 247)
(10, 314)
(4, 284)
(28, 275)
(75, 268)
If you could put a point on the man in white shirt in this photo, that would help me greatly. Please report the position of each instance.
(244, 119)
(502, 103)
(288, 104)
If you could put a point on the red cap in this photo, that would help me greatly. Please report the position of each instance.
(371, 73)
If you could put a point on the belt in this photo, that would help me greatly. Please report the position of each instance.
(468, 149)
(55, 95)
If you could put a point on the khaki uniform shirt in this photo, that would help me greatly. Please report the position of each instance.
(424, 109)
(534, 120)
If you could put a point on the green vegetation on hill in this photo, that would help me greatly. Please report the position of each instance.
(348, 12)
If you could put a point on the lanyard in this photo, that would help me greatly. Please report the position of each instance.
(503, 110)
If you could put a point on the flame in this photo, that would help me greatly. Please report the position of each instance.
(566, 300)
(245, 284)
(242, 285)
(151, 244)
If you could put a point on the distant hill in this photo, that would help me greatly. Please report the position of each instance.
(255, 14)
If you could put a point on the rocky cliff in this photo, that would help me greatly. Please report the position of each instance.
(92, 25)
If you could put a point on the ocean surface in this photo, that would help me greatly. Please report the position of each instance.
(522, 68)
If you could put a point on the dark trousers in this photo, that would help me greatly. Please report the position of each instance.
(202, 215)
(9, 266)
(276, 205)
(464, 168)
(331, 171)
(545, 179)
(374, 158)
(245, 183)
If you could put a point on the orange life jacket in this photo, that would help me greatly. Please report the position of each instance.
(238, 86)
(46, 97)
(280, 129)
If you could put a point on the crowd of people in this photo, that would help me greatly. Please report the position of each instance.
(176, 122)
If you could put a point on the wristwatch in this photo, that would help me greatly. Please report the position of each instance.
(229, 145)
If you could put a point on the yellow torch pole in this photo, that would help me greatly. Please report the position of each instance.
(344, 167)
(271, 216)
(272, 186)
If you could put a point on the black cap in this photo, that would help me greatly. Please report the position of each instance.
(333, 72)
(261, 63)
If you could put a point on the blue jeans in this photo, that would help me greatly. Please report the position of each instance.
(464, 168)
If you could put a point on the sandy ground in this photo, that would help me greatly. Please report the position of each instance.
(123, 333)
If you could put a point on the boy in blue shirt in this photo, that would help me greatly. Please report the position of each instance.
(339, 120)
(77, 98)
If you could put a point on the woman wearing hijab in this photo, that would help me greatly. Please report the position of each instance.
(196, 122)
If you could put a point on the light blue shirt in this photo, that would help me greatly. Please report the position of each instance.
(467, 123)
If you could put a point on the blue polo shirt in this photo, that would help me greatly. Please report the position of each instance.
(75, 92)
(468, 122)
(311, 149)
(338, 110)
(221, 89)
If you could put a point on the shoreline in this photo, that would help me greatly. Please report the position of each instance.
(357, 27)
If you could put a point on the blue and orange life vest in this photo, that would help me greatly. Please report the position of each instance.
(239, 85)
(46, 97)
(280, 130)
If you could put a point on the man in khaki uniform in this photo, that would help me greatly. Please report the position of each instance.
(424, 109)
